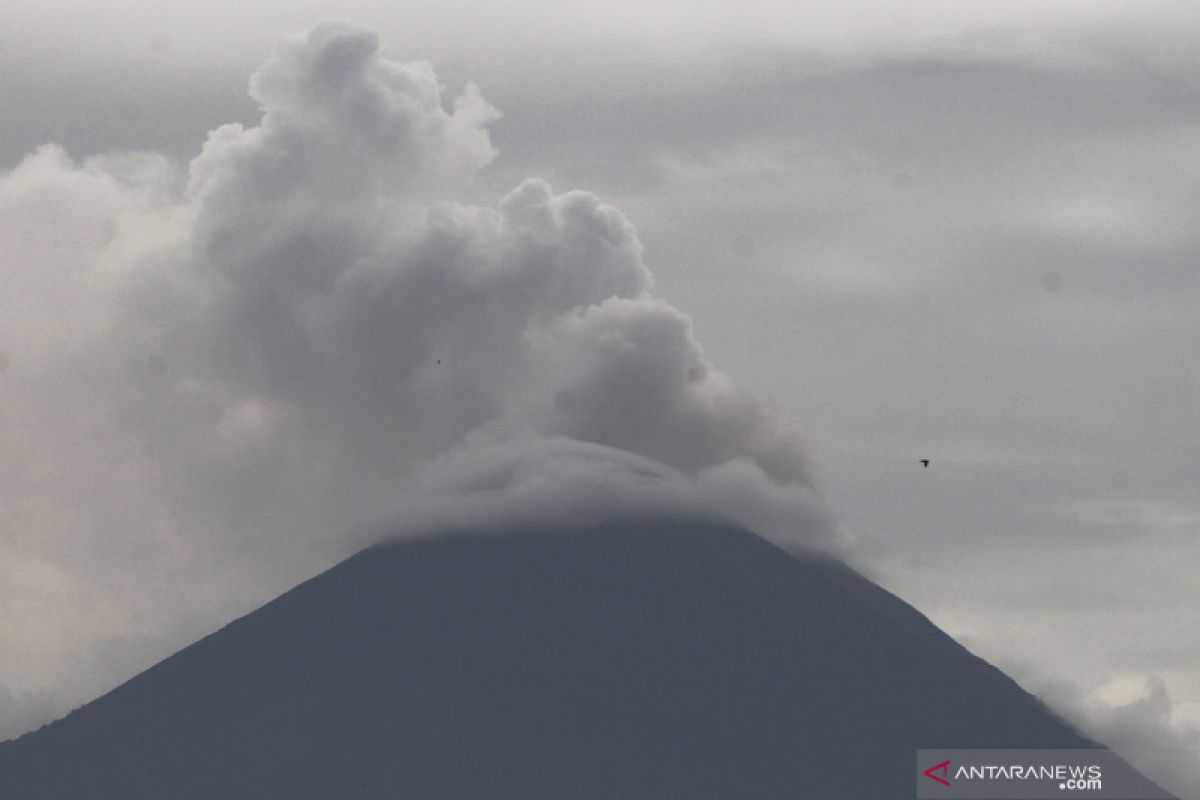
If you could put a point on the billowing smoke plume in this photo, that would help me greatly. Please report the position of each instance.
(211, 369)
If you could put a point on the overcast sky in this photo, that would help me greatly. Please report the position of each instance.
(956, 231)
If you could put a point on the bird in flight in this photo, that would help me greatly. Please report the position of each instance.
(925, 463)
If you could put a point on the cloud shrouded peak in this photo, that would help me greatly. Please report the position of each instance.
(216, 368)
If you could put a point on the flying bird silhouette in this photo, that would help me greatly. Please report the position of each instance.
(925, 463)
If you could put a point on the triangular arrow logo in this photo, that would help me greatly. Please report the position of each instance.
(943, 768)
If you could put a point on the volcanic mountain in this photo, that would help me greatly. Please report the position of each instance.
(649, 659)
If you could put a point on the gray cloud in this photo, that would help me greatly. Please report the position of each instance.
(22, 712)
(217, 369)
(1145, 730)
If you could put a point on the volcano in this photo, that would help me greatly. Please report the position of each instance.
(637, 659)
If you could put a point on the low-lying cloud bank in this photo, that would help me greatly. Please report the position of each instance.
(1145, 730)
(210, 372)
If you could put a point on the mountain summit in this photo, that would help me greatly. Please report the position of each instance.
(651, 659)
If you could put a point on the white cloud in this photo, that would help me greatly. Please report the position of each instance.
(1144, 728)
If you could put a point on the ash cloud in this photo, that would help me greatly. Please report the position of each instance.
(215, 369)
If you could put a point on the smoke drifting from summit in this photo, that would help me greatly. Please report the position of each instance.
(218, 368)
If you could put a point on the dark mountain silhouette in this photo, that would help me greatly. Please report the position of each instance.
(655, 659)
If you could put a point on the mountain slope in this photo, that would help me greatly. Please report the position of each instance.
(652, 659)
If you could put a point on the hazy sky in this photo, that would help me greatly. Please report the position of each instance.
(960, 231)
